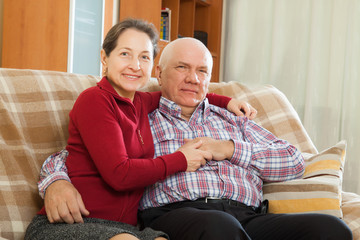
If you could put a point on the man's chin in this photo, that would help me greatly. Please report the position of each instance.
(189, 103)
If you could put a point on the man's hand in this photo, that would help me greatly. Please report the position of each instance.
(220, 149)
(63, 203)
(241, 108)
(194, 156)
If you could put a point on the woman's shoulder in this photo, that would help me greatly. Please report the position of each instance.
(148, 98)
(92, 95)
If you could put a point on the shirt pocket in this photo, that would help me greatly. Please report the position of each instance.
(168, 141)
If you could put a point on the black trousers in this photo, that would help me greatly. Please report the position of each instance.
(217, 221)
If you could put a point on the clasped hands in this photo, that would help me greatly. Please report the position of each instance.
(202, 149)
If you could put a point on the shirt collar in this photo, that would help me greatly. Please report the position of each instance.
(169, 107)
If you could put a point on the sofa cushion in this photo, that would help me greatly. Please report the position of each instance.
(351, 211)
(319, 191)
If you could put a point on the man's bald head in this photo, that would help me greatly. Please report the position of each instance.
(184, 44)
(184, 72)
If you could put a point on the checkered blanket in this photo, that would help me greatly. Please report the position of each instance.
(34, 107)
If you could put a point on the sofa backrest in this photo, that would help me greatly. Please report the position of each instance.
(275, 112)
(34, 108)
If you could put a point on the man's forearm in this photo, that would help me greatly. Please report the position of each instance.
(53, 169)
(274, 159)
(266, 159)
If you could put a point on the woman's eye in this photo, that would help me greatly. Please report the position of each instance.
(146, 57)
(124, 54)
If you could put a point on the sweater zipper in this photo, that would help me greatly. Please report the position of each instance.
(141, 139)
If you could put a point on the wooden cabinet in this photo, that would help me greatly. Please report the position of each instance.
(149, 10)
(36, 33)
(35, 36)
(187, 16)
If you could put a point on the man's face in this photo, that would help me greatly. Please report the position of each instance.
(185, 76)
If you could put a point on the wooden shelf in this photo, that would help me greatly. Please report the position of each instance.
(203, 3)
(198, 15)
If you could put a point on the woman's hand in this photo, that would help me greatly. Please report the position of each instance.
(241, 108)
(195, 157)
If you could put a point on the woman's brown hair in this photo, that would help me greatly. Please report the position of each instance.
(112, 36)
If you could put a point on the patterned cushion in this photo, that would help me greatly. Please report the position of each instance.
(320, 189)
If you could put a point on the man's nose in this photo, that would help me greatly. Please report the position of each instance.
(192, 77)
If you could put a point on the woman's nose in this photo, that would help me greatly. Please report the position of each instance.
(135, 64)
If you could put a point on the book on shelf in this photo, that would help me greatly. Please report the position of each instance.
(165, 24)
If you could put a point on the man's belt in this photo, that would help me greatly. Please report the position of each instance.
(261, 209)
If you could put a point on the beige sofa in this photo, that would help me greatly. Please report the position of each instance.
(34, 107)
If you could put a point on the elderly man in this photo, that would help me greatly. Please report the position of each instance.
(222, 199)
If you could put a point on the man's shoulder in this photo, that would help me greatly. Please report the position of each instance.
(223, 114)
(221, 111)
(154, 114)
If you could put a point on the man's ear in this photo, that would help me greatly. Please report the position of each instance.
(158, 74)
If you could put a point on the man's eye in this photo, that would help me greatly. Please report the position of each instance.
(181, 67)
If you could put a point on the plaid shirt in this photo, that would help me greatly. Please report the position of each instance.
(259, 156)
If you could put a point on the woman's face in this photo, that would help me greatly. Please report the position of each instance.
(129, 65)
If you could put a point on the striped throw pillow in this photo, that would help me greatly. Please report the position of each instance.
(319, 190)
